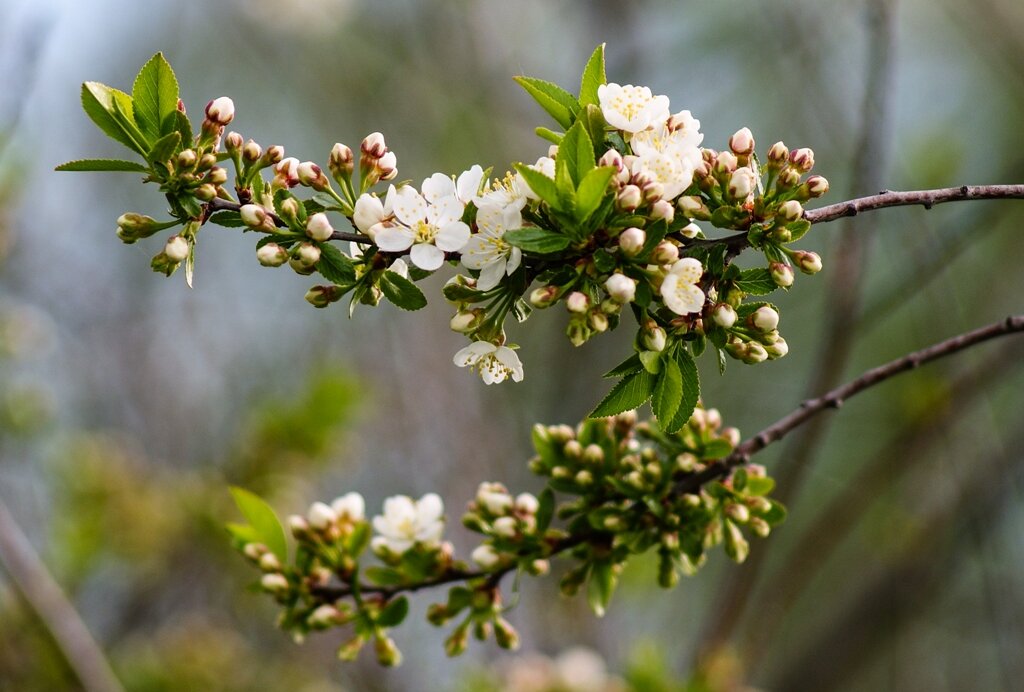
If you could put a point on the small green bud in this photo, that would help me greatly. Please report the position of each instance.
(387, 653)
(457, 642)
(505, 634)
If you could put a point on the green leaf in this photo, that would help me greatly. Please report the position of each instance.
(165, 147)
(757, 282)
(595, 124)
(458, 293)
(183, 126)
(228, 219)
(536, 240)
(543, 186)
(691, 392)
(651, 361)
(545, 509)
(400, 291)
(593, 77)
(394, 612)
(559, 103)
(263, 519)
(155, 98)
(775, 515)
(629, 393)
(335, 266)
(549, 135)
(798, 228)
(601, 587)
(243, 533)
(759, 485)
(668, 393)
(626, 367)
(716, 449)
(112, 165)
(655, 234)
(591, 191)
(98, 101)
(577, 151)
(384, 576)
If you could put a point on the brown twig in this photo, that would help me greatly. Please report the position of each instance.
(42, 593)
(218, 204)
(924, 198)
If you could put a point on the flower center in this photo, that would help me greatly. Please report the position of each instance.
(425, 232)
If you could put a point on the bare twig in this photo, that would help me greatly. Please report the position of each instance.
(42, 593)
(924, 198)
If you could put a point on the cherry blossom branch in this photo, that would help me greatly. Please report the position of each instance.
(925, 198)
(218, 204)
(835, 398)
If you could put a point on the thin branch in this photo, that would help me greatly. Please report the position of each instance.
(838, 396)
(218, 204)
(925, 198)
(44, 595)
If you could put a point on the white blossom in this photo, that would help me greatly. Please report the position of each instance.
(487, 250)
(632, 108)
(495, 363)
(426, 229)
(350, 507)
(679, 289)
(545, 165)
(494, 497)
(407, 522)
(371, 214)
(486, 556)
(465, 189)
(321, 516)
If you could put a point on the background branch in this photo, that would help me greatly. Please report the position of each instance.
(924, 198)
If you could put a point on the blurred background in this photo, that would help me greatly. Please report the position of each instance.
(128, 403)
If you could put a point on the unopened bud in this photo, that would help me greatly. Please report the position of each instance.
(269, 562)
(730, 435)
(621, 288)
(724, 315)
(505, 526)
(275, 582)
(629, 198)
(577, 302)
(791, 210)
(663, 209)
(803, 159)
(274, 155)
(754, 353)
(527, 503)
(308, 254)
(544, 297)
(760, 527)
(466, 321)
(176, 248)
(187, 158)
(742, 142)
(725, 162)
(253, 215)
(808, 262)
(631, 241)
(816, 186)
(233, 142)
(778, 154)
(286, 172)
(132, 226)
(782, 274)
(251, 151)
(220, 111)
(742, 183)
(205, 192)
(321, 516)
(694, 208)
(373, 146)
(217, 176)
(486, 556)
(311, 175)
(765, 319)
(387, 652)
(666, 252)
(738, 513)
(654, 338)
(271, 255)
(341, 161)
(505, 634)
(322, 296)
(318, 227)
(777, 349)
(598, 321)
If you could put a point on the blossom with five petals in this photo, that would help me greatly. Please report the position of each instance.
(679, 289)
(495, 363)
(407, 522)
(426, 229)
(487, 250)
(632, 108)
(465, 189)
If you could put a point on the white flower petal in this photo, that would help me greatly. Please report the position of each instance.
(478, 252)
(430, 508)
(468, 184)
(437, 187)
(515, 256)
(426, 256)
(490, 219)
(445, 211)
(472, 353)
(452, 236)
(688, 269)
(491, 274)
(394, 238)
(510, 359)
(410, 207)
(368, 211)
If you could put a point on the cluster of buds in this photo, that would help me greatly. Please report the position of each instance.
(274, 580)
(219, 114)
(509, 522)
(176, 250)
(753, 335)
(481, 610)
(376, 162)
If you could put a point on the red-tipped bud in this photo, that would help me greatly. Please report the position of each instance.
(220, 111)
(742, 142)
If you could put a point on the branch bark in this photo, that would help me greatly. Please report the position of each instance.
(924, 198)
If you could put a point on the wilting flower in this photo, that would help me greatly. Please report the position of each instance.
(495, 363)
(427, 230)
(487, 250)
(679, 289)
(407, 522)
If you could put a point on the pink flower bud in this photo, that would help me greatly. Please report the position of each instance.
(577, 302)
(251, 151)
(665, 253)
(275, 154)
(287, 172)
(803, 159)
(319, 228)
(544, 297)
(629, 198)
(631, 241)
(724, 315)
(742, 142)
(388, 166)
(817, 186)
(741, 183)
(308, 254)
(663, 209)
(778, 154)
(726, 162)
(217, 176)
(311, 175)
(253, 215)
(373, 146)
(233, 142)
(205, 192)
(341, 160)
(220, 111)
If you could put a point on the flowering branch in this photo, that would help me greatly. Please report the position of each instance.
(217, 204)
(925, 198)
(835, 398)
